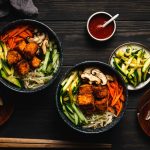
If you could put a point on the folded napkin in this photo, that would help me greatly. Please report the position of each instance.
(25, 7)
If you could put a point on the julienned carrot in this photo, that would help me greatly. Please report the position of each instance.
(120, 108)
(122, 98)
(111, 90)
(10, 41)
(117, 105)
(13, 43)
(29, 33)
(110, 109)
(20, 30)
(4, 37)
(23, 34)
(10, 33)
(117, 97)
(18, 39)
(13, 32)
(114, 97)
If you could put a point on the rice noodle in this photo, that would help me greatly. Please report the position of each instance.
(99, 120)
(35, 79)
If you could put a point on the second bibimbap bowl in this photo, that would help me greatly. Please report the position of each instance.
(92, 97)
(30, 55)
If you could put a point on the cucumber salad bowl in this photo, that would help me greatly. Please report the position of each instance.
(132, 61)
(30, 56)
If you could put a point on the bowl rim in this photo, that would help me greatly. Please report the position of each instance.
(124, 44)
(143, 101)
(93, 15)
(68, 122)
(17, 22)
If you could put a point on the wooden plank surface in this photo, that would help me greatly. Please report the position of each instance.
(36, 116)
(81, 9)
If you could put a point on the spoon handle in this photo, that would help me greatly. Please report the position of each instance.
(109, 21)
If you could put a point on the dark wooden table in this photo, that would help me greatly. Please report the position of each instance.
(35, 115)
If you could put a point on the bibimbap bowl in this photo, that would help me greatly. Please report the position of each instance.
(31, 55)
(91, 97)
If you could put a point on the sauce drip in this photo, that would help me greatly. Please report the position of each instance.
(95, 26)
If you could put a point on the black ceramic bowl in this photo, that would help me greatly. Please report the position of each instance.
(107, 69)
(51, 34)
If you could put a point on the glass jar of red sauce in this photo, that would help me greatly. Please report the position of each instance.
(95, 30)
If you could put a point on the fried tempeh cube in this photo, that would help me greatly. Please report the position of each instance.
(20, 47)
(23, 67)
(30, 50)
(13, 57)
(85, 89)
(35, 62)
(100, 91)
(85, 100)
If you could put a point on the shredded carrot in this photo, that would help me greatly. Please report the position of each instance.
(29, 33)
(23, 34)
(120, 108)
(20, 30)
(117, 97)
(10, 42)
(13, 43)
(111, 90)
(18, 39)
(122, 98)
(4, 37)
(13, 32)
(111, 109)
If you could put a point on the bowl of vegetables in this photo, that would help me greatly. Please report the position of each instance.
(30, 55)
(92, 97)
(132, 61)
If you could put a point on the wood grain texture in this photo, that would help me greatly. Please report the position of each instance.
(81, 9)
(36, 115)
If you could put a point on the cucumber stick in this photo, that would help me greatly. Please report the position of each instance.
(70, 79)
(146, 65)
(11, 79)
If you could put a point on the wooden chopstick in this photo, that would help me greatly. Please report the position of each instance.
(45, 143)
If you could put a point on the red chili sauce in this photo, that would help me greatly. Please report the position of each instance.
(96, 30)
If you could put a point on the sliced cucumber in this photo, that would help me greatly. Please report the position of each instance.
(11, 79)
(146, 65)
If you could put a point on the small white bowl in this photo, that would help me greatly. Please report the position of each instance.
(98, 13)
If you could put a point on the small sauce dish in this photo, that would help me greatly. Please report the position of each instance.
(95, 29)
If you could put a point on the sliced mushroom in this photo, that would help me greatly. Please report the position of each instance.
(34, 39)
(41, 38)
(109, 78)
(100, 75)
(44, 46)
(37, 39)
(91, 78)
(88, 70)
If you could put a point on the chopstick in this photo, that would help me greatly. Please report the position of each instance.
(46, 143)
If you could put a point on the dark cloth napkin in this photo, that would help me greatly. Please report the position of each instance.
(25, 7)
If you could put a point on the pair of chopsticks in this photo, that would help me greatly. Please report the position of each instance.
(46, 143)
